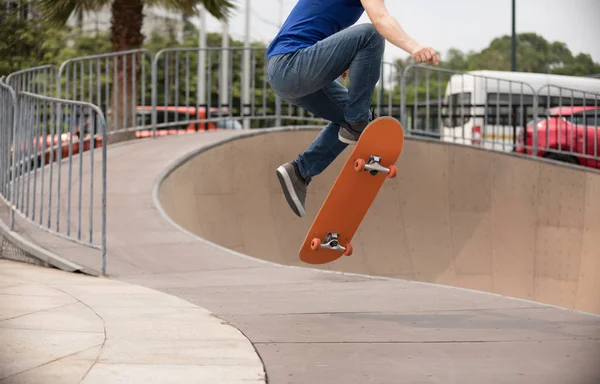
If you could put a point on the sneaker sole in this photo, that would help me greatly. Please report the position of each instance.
(346, 141)
(288, 191)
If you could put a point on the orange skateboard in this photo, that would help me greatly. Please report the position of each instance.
(370, 163)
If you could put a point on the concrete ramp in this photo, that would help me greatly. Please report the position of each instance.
(455, 216)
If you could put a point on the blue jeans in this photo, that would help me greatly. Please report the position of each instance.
(307, 78)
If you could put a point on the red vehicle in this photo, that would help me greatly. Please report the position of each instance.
(569, 134)
(182, 116)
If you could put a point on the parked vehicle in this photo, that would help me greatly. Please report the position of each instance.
(569, 134)
(478, 104)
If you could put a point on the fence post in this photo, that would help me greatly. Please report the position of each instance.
(403, 98)
(8, 167)
(153, 91)
(381, 88)
(534, 144)
(277, 111)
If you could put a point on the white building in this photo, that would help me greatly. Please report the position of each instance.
(156, 19)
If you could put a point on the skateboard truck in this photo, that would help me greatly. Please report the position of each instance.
(331, 241)
(374, 167)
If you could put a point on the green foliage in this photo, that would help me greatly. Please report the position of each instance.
(534, 54)
(23, 43)
(31, 43)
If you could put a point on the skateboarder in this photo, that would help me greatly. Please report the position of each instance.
(317, 44)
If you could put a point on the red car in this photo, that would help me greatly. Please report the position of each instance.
(569, 134)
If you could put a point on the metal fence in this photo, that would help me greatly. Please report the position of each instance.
(8, 126)
(481, 109)
(39, 80)
(206, 89)
(118, 83)
(48, 166)
(54, 123)
(465, 108)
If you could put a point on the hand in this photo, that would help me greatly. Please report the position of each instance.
(345, 74)
(426, 55)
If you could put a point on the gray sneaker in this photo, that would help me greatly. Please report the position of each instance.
(350, 134)
(294, 186)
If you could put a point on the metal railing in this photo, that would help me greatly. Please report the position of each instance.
(39, 80)
(235, 96)
(53, 122)
(494, 113)
(116, 82)
(465, 108)
(565, 126)
(389, 84)
(8, 127)
(48, 166)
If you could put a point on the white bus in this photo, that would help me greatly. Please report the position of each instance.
(477, 104)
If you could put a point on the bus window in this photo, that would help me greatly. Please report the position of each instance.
(457, 106)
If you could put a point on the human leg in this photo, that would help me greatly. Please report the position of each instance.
(329, 103)
(358, 48)
(295, 176)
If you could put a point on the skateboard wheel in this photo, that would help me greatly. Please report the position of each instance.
(315, 244)
(348, 250)
(393, 171)
(359, 165)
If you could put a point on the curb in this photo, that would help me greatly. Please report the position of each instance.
(36, 252)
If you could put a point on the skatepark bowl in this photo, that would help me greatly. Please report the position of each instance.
(523, 230)
(471, 266)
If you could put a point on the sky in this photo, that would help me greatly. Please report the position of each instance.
(444, 24)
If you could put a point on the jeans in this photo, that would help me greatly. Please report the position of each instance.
(308, 77)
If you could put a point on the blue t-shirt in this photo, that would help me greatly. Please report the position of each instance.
(313, 20)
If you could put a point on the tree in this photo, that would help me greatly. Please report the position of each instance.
(126, 34)
(534, 54)
(25, 44)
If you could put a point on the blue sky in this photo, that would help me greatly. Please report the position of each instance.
(463, 24)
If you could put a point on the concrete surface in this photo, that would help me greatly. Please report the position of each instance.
(60, 327)
(314, 326)
(454, 215)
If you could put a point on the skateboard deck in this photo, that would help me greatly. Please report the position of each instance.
(371, 162)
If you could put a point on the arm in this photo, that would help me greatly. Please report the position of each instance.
(391, 30)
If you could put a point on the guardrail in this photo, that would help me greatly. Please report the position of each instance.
(236, 93)
(48, 162)
(118, 83)
(465, 108)
(39, 80)
(53, 121)
(8, 129)
(495, 113)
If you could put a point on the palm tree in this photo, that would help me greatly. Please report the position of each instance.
(126, 33)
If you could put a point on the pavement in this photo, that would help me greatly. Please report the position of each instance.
(316, 326)
(60, 327)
